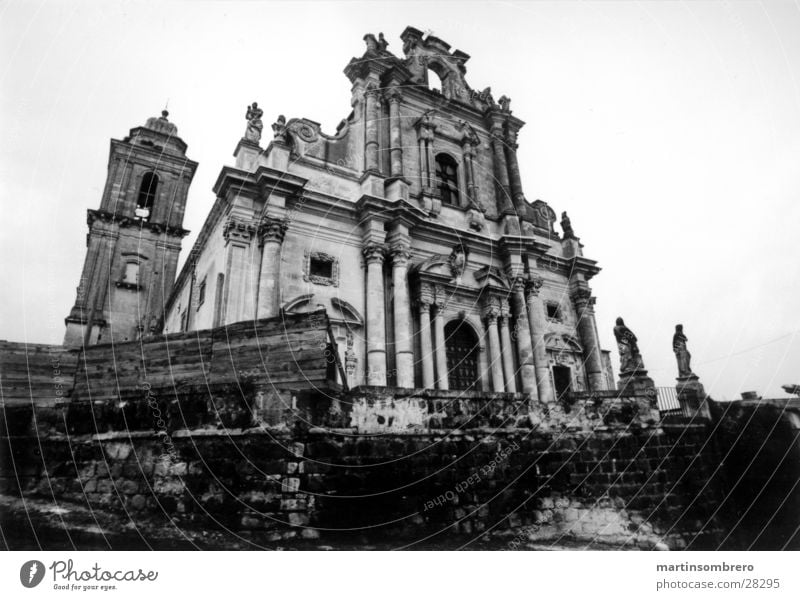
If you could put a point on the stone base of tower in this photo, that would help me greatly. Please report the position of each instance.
(75, 335)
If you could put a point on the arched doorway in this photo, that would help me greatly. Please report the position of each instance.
(462, 350)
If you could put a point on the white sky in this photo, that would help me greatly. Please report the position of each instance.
(670, 132)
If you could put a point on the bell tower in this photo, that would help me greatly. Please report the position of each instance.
(134, 238)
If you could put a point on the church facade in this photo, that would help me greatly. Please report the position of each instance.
(409, 225)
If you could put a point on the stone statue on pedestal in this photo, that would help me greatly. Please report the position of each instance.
(279, 129)
(566, 226)
(254, 124)
(681, 352)
(629, 357)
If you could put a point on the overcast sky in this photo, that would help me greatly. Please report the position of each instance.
(670, 132)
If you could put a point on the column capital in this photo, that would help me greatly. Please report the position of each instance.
(239, 229)
(373, 253)
(440, 298)
(517, 281)
(424, 295)
(393, 95)
(505, 309)
(582, 297)
(371, 90)
(271, 229)
(534, 285)
(491, 308)
(491, 315)
(401, 254)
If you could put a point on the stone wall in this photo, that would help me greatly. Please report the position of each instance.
(627, 487)
(759, 444)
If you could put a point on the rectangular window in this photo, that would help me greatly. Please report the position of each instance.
(201, 293)
(132, 273)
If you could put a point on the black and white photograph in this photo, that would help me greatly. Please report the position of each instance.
(499, 277)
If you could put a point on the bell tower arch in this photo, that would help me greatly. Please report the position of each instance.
(134, 238)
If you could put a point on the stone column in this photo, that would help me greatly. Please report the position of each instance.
(469, 171)
(271, 232)
(376, 319)
(538, 324)
(426, 345)
(483, 361)
(442, 382)
(371, 126)
(404, 355)
(592, 357)
(524, 344)
(395, 136)
(515, 180)
(505, 342)
(238, 233)
(491, 313)
(505, 205)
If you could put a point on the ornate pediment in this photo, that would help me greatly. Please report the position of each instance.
(339, 311)
(491, 277)
(562, 342)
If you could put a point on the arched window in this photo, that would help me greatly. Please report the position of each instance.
(447, 179)
(147, 195)
(434, 81)
(462, 350)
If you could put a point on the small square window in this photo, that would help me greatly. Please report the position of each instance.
(321, 268)
(553, 311)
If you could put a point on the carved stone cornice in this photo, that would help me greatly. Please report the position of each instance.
(103, 216)
(374, 253)
(238, 229)
(272, 230)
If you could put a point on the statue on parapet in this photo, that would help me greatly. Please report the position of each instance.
(566, 226)
(279, 129)
(630, 358)
(505, 103)
(681, 352)
(254, 124)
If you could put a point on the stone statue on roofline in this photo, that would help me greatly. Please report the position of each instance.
(681, 352)
(630, 358)
(279, 129)
(254, 124)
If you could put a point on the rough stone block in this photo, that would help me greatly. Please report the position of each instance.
(290, 485)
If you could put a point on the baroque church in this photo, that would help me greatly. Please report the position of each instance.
(409, 225)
